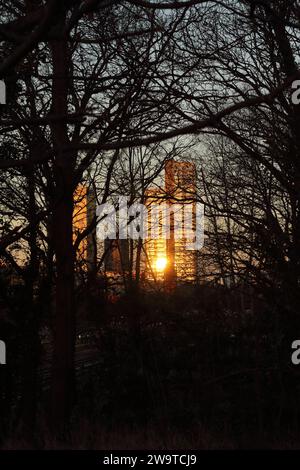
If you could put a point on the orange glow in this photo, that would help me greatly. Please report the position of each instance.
(80, 218)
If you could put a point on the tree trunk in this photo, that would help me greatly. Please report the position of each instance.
(63, 387)
(63, 380)
(31, 325)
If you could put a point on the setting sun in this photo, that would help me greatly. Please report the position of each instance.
(161, 264)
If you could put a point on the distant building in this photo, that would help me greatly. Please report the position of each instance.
(169, 258)
(116, 256)
(164, 257)
(84, 213)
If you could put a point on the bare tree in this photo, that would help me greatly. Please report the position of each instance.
(97, 76)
